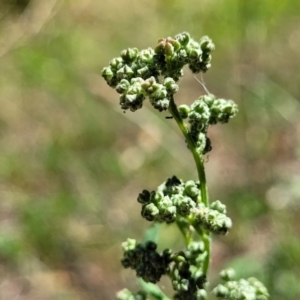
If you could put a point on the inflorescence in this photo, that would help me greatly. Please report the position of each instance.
(250, 289)
(205, 111)
(153, 74)
(175, 199)
(136, 74)
(184, 268)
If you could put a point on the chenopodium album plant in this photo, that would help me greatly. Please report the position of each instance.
(152, 74)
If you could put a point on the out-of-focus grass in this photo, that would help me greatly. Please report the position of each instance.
(71, 163)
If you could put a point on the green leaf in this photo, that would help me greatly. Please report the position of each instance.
(153, 290)
(151, 233)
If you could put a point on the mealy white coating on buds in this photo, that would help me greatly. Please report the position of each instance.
(250, 289)
(212, 220)
(167, 59)
(172, 198)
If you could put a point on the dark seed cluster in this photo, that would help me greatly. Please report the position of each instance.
(184, 268)
(145, 260)
(188, 279)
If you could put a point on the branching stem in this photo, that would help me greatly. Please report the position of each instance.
(201, 175)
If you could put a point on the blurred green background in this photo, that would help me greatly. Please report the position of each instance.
(72, 163)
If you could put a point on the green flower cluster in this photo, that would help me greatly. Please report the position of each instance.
(250, 289)
(205, 111)
(125, 294)
(214, 218)
(135, 74)
(172, 198)
(145, 260)
(135, 91)
(187, 279)
(172, 54)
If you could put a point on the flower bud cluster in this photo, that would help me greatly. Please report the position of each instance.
(145, 260)
(135, 91)
(172, 54)
(135, 74)
(205, 111)
(131, 64)
(250, 289)
(173, 198)
(188, 280)
(125, 294)
(214, 218)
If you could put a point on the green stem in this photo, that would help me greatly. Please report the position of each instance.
(187, 235)
(153, 290)
(207, 245)
(201, 175)
(197, 158)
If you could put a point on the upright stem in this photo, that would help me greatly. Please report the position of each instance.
(201, 175)
(197, 158)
